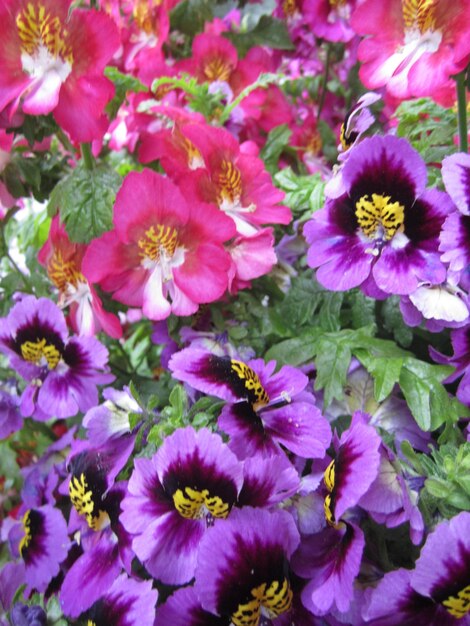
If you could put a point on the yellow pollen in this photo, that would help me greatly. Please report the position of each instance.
(289, 7)
(419, 14)
(336, 3)
(26, 540)
(36, 27)
(314, 144)
(189, 503)
(163, 239)
(82, 499)
(276, 599)
(34, 351)
(252, 383)
(217, 69)
(458, 606)
(379, 217)
(63, 273)
(90, 623)
(330, 476)
(229, 183)
(142, 13)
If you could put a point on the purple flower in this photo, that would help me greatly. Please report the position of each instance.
(385, 226)
(247, 575)
(22, 615)
(331, 560)
(455, 236)
(266, 408)
(62, 372)
(108, 422)
(173, 497)
(44, 546)
(437, 591)
(184, 609)
(127, 603)
(10, 416)
(460, 360)
(267, 481)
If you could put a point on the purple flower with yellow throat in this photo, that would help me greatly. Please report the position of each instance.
(264, 408)
(62, 372)
(173, 497)
(383, 231)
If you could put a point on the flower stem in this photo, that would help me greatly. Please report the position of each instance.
(326, 71)
(462, 110)
(87, 156)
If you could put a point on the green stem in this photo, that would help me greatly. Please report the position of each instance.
(65, 141)
(26, 283)
(324, 81)
(462, 110)
(87, 156)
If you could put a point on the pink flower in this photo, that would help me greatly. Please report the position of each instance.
(414, 46)
(63, 261)
(165, 254)
(50, 62)
(233, 180)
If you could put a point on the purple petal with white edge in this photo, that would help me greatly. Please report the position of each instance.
(385, 165)
(44, 546)
(394, 602)
(356, 464)
(111, 419)
(240, 554)
(184, 609)
(128, 603)
(267, 481)
(331, 559)
(456, 177)
(442, 571)
(91, 576)
(30, 311)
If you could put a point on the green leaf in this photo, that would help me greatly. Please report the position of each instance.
(295, 351)
(190, 16)
(330, 310)
(123, 83)
(269, 31)
(304, 194)
(85, 200)
(384, 371)
(332, 363)
(276, 141)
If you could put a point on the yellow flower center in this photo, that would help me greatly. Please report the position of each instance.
(35, 351)
(190, 502)
(63, 273)
(37, 27)
(289, 8)
(217, 69)
(458, 606)
(251, 382)
(379, 217)
(157, 241)
(419, 14)
(26, 540)
(275, 598)
(82, 499)
(142, 13)
(229, 183)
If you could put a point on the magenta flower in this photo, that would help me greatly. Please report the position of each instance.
(384, 227)
(264, 408)
(414, 46)
(62, 372)
(51, 62)
(165, 254)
